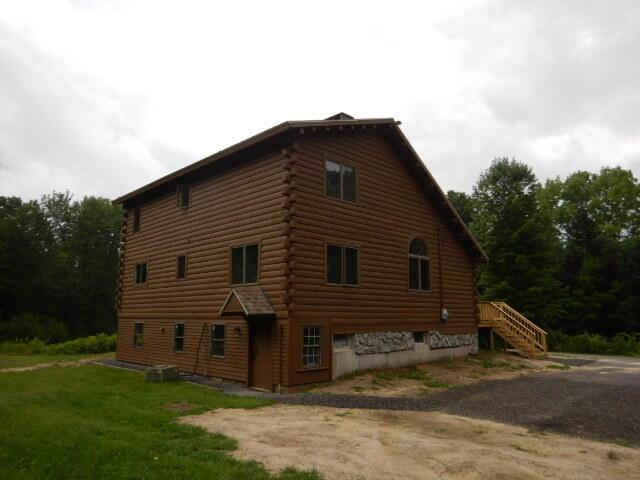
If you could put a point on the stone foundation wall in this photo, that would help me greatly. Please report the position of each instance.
(383, 342)
(398, 349)
(438, 340)
(386, 342)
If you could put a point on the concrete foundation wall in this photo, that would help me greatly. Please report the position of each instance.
(347, 359)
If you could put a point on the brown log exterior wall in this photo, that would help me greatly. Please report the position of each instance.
(391, 209)
(278, 201)
(245, 204)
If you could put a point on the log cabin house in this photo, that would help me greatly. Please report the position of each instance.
(308, 251)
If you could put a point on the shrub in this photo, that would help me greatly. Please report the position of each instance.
(620, 344)
(100, 343)
(32, 325)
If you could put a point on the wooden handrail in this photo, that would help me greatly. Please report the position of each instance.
(502, 316)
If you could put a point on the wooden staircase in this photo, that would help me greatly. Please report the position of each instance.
(518, 331)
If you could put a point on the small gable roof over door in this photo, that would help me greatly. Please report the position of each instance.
(248, 301)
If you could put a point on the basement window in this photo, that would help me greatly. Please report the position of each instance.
(340, 181)
(140, 275)
(184, 196)
(138, 335)
(244, 264)
(418, 337)
(311, 347)
(217, 340)
(341, 340)
(181, 267)
(178, 337)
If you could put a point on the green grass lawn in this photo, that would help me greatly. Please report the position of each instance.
(97, 422)
(12, 361)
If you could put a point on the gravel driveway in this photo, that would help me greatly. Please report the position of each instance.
(597, 398)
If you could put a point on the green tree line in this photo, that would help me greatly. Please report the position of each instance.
(565, 253)
(58, 267)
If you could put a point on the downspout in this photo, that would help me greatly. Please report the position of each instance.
(440, 272)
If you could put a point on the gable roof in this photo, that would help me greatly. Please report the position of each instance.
(283, 134)
(249, 300)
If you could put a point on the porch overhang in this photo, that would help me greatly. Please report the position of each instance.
(250, 301)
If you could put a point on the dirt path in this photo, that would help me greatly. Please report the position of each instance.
(372, 444)
(63, 363)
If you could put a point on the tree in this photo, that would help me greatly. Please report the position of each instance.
(94, 250)
(464, 205)
(58, 265)
(519, 238)
(596, 217)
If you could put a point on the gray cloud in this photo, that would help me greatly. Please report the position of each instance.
(555, 84)
(62, 130)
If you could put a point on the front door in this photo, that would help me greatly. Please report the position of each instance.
(260, 355)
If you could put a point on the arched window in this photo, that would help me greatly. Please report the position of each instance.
(419, 265)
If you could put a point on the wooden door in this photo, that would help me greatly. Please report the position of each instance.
(260, 355)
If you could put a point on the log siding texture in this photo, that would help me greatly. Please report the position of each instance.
(243, 205)
(391, 209)
(270, 190)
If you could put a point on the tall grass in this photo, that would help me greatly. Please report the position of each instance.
(620, 344)
(100, 343)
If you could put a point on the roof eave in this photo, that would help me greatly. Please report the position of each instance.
(482, 256)
(251, 141)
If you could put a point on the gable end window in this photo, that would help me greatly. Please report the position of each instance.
(140, 275)
(178, 337)
(181, 267)
(217, 340)
(184, 196)
(136, 220)
(311, 347)
(340, 181)
(419, 266)
(245, 264)
(342, 265)
(138, 335)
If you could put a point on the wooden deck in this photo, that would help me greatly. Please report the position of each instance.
(517, 330)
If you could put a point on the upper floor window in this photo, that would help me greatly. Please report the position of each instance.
(140, 273)
(340, 181)
(419, 265)
(136, 219)
(244, 264)
(184, 196)
(342, 265)
(181, 267)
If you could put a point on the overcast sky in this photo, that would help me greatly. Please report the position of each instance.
(102, 97)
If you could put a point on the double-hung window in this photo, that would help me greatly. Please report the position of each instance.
(245, 264)
(140, 275)
(181, 267)
(138, 335)
(311, 347)
(184, 196)
(217, 340)
(136, 220)
(419, 266)
(342, 265)
(340, 181)
(178, 337)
